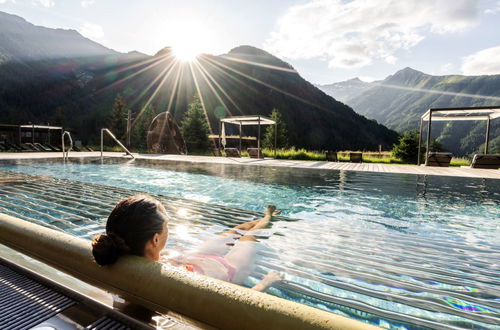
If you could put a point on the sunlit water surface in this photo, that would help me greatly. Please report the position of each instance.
(397, 251)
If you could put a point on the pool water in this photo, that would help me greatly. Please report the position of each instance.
(394, 250)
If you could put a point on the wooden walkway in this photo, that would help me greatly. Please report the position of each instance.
(385, 168)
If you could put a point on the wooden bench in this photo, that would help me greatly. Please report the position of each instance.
(486, 161)
(331, 156)
(356, 157)
(440, 159)
(255, 153)
(232, 152)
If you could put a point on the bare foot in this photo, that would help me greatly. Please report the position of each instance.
(270, 209)
(276, 212)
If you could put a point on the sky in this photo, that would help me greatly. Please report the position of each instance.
(326, 41)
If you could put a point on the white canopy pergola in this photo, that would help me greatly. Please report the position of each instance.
(452, 114)
(248, 120)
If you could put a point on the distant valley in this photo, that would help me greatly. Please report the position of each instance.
(399, 101)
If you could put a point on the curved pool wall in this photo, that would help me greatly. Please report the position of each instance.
(161, 287)
(399, 251)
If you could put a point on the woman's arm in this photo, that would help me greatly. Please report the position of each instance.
(268, 281)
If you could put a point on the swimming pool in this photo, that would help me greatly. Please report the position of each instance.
(392, 250)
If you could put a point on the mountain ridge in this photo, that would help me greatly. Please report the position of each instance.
(245, 81)
(399, 100)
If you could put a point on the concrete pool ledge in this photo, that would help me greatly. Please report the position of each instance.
(323, 165)
(162, 288)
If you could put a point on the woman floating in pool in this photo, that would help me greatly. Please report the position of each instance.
(138, 225)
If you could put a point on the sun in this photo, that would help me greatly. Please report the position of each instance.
(185, 52)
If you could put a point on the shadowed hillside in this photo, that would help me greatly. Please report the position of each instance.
(247, 80)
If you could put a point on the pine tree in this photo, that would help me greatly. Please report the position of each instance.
(194, 127)
(407, 147)
(118, 118)
(282, 139)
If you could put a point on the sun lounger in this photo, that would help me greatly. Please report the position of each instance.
(3, 147)
(55, 148)
(41, 147)
(331, 156)
(255, 153)
(14, 147)
(232, 152)
(356, 157)
(89, 149)
(486, 161)
(31, 147)
(441, 159)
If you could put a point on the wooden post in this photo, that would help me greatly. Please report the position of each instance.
(129, 122)
(487, 136)
(220, 132)
(275, 137)
(240, 137)
(258, 136)
(420, 140)
(428, 136)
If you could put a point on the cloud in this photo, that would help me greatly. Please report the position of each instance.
(46, 3)
(493, 11)
(87, 3)
(483, 62)
(92, 31)
(355, 33)
(446, 68)
(5, 1)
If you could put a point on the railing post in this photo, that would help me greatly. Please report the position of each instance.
(66, 153)
(102, 143)
(116, 140)
(62, 145)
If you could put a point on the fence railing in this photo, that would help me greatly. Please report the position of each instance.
(66, 152)
(105, 130)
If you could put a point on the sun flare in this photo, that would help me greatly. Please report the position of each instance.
(185, 52)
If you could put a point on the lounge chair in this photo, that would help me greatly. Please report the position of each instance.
(356, 157)
(331, 156)
(89, 149)
(14, 147)
(232, 152)
(486, 161)
(31, 147)
(41, 147)
(255, 153)
(441, 159)
(3, 147)
(55, 148)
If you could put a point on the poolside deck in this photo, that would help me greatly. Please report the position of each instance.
(386, 168)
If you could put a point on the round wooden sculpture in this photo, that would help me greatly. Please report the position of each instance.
(164, 136)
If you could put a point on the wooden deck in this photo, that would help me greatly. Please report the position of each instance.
(385, 168)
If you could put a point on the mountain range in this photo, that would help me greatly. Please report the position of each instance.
(51, 75)
(399, 101)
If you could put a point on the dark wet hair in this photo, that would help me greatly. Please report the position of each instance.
(133, 221)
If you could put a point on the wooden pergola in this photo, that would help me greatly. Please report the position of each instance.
(452, 114)
(246, 121)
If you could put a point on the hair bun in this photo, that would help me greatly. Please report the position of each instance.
(104, 250)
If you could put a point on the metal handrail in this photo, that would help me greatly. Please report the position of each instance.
(116, 140)
(66, 153)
